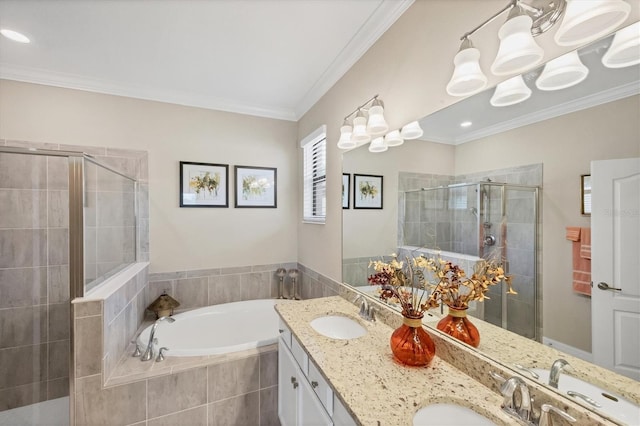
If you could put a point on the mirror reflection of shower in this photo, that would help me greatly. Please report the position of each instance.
(468, 221)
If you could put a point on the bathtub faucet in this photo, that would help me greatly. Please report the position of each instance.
(148, 353)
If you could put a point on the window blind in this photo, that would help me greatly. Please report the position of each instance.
(315, 180)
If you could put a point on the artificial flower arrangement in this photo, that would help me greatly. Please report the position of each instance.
(451, 286)
(408, 286)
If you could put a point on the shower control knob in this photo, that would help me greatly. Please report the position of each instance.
(489, 240)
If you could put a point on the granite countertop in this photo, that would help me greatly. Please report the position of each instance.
(377, 390)
(511, 348)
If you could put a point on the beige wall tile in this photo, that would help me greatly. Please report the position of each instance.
(58, 388)
(224, 289)
(192, 292)
(88, 309)
(23, 248)
(88, 346)
(118, 405)
(240, 410)
(25, 208)
(177, 392)
(22, 365)
(20, 171)
(192, 417)
(268, 369)
(58, 246)
(23, 287)
(269, 407)
(23, 326)
(58, 360)
(233, 378)
(58, 283)
(59, 321)
(20, 396)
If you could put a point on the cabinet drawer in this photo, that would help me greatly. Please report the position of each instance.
(300, 355)
(285, 333)
(340, 414)
(321, 387)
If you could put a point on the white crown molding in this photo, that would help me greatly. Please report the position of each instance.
(70, 81)
(384, 16)
(573, 105)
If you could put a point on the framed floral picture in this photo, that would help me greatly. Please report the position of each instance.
(346, 185)
(256, 186)
(367, 192)
(204, 185)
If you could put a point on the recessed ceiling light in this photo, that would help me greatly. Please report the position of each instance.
(15, 36)
(466, 124)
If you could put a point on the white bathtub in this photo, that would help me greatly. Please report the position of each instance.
(218, 329)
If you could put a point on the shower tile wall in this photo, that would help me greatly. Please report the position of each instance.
(34, 276)
(426, 222)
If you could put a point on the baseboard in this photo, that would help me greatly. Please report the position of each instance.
(578, 353)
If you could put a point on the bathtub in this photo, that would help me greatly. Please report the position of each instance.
(218, 329)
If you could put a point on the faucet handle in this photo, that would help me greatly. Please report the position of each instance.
(137, 352)
(160, 356)
(545, 416)
(371, 314)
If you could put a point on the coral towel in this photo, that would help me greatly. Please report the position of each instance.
(581, 249)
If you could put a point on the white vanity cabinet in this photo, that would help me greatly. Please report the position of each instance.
(304, 396)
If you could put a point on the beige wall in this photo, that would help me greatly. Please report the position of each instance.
(181, 238)
(565, 146)
(375, 232)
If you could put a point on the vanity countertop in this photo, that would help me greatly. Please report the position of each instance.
(511, 348)
(377, 390)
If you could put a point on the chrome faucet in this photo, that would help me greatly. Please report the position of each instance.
(148, 353)
(518, 407)
(556, 368)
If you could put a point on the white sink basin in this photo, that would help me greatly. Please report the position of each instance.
(621, 410)
(445, 414)
(338, 327)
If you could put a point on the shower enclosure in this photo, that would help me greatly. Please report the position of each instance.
(67, 222)
(489, 220)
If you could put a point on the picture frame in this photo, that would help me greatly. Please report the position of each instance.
(585, 195)
(204, 184)
(346, 188)
(367, 191)
(256, 187)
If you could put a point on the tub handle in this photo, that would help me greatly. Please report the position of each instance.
(160, 356)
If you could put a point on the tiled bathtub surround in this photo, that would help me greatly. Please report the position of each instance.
(195, 289)
(34, 277)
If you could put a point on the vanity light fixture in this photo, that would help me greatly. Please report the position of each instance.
(518, 50)
(625, 48)
(467, 77)
(582, 21)
(378, 145)
(369, 125)
(588, 20)
(510, 92)
(562, 72)
(14, 35)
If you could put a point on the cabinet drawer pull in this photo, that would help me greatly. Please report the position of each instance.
(294, 382)
(314, 384)
(280, 330)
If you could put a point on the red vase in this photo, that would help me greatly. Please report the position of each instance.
(411, 345)
(457, 324)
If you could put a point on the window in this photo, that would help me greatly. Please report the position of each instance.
(315, 176)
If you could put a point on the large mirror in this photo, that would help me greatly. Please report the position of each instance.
(508, 184)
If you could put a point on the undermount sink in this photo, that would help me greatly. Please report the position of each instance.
(446, 414)
(338, 327)
(612, 405)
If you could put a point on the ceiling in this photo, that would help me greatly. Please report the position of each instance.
(270, 58)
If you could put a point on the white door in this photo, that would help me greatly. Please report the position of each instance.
(615, 265)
